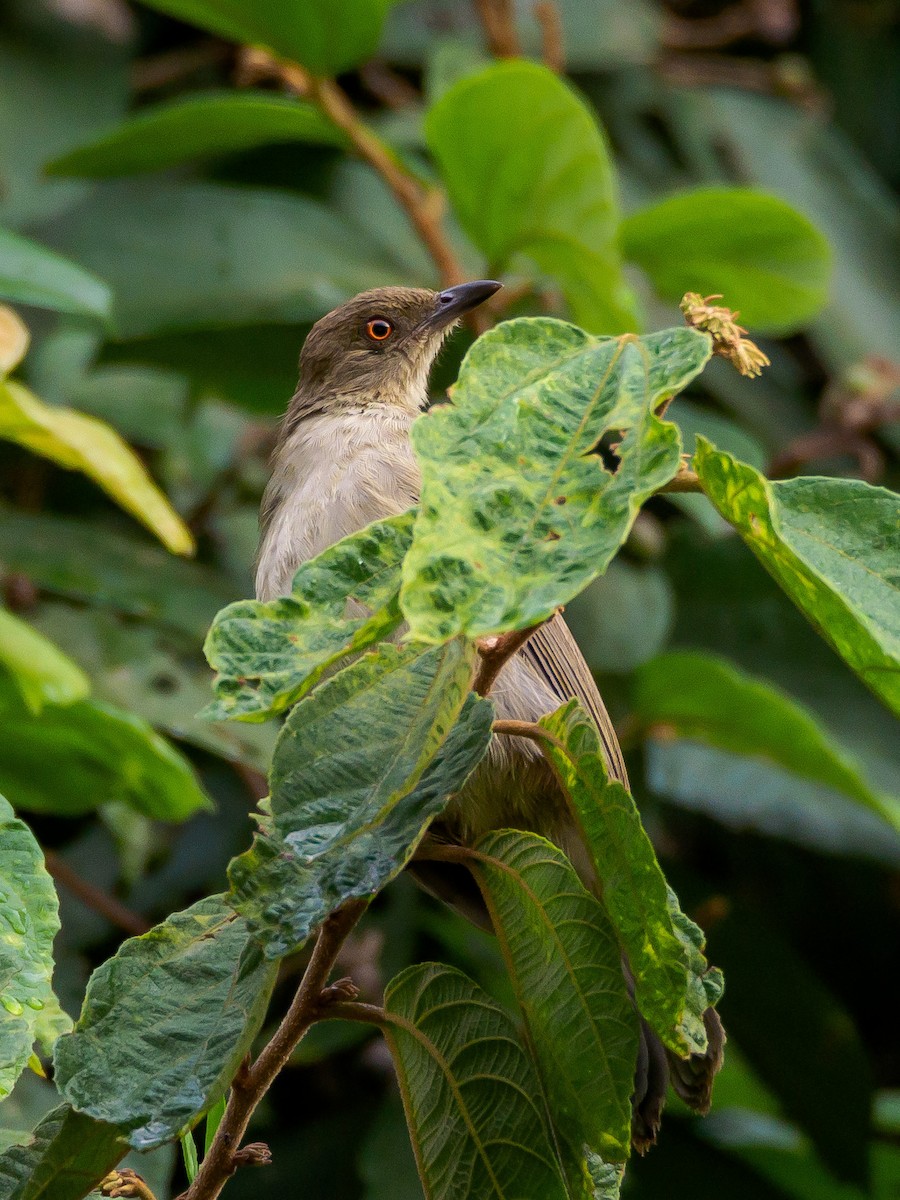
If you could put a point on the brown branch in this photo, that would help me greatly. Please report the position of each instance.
(527, 729)
(250, 1085)
(498, 21)
(95, 898)
(354, 1010)
(495, 651)
(421, 206)
(685, 481)
(553, 50)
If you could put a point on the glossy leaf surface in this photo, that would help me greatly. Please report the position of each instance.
(32, 274)
(72, 758)
(703, 699)
(517, 512)
(168, 135)
(529, 172)
(169, 1018)
(833, 545)
(768, 260)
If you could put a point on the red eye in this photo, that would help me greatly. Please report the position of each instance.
(379, 330)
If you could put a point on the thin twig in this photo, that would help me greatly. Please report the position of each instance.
(495, 651)
(355, 1010)
(250, 1086)
(685, 481)
(498, 21)
(419, 205)
(95, 898)
(527, 729)
(553, 50)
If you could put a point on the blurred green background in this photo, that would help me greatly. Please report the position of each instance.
(218, 260)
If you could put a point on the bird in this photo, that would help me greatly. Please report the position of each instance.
(343, 459)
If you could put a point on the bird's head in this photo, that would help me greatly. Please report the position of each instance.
(378, 348)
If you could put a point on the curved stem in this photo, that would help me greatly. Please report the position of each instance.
(252, 1083)
(495, 652)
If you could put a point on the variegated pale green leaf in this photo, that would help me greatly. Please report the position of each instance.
(29, 921)
(471, 1093)
(165, 1024)
(833, 545)
(518, 513)
(566, 968)
(270, 653)
(669, 972)
(361, 767)
(83, 443)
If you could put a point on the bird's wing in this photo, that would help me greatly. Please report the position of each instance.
(553, 654)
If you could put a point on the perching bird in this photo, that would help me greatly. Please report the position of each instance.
(343, 459)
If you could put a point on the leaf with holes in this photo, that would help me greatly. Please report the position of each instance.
(518, 512)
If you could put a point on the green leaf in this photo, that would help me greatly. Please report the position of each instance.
(29, 921)
(83, 560)
(325, 36)
(529, 172)
(32, 274)
(269, 654)
(82, 443)
(165, 1024)
(832, 544)
(566, 968)
(206, 255)
(635, 893)
(471, 1094)
(168, 135)
(768, 260)
(517, 512)
(73, 758)
(66, 1155)
(704, 699)
(40, 671)
(363, 764)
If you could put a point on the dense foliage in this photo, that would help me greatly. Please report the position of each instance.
(185, 187)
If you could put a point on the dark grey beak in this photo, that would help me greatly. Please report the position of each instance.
(455, 301)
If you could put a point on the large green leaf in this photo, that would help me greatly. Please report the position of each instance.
(73, 758)
(168, 1018)
(82, 560)
(672, 986)
(326, 36)
(82, 443)
(704, 699)
(472, 1096)
(63, 1158)
(194, 126)
(566, 968)
(40, 671)
(833, 545)
(29, 921)
(32, 274)
(529, 172)
(203, 255)
(363, 764)
(769, 261)
(518, 513)
(269, 654)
